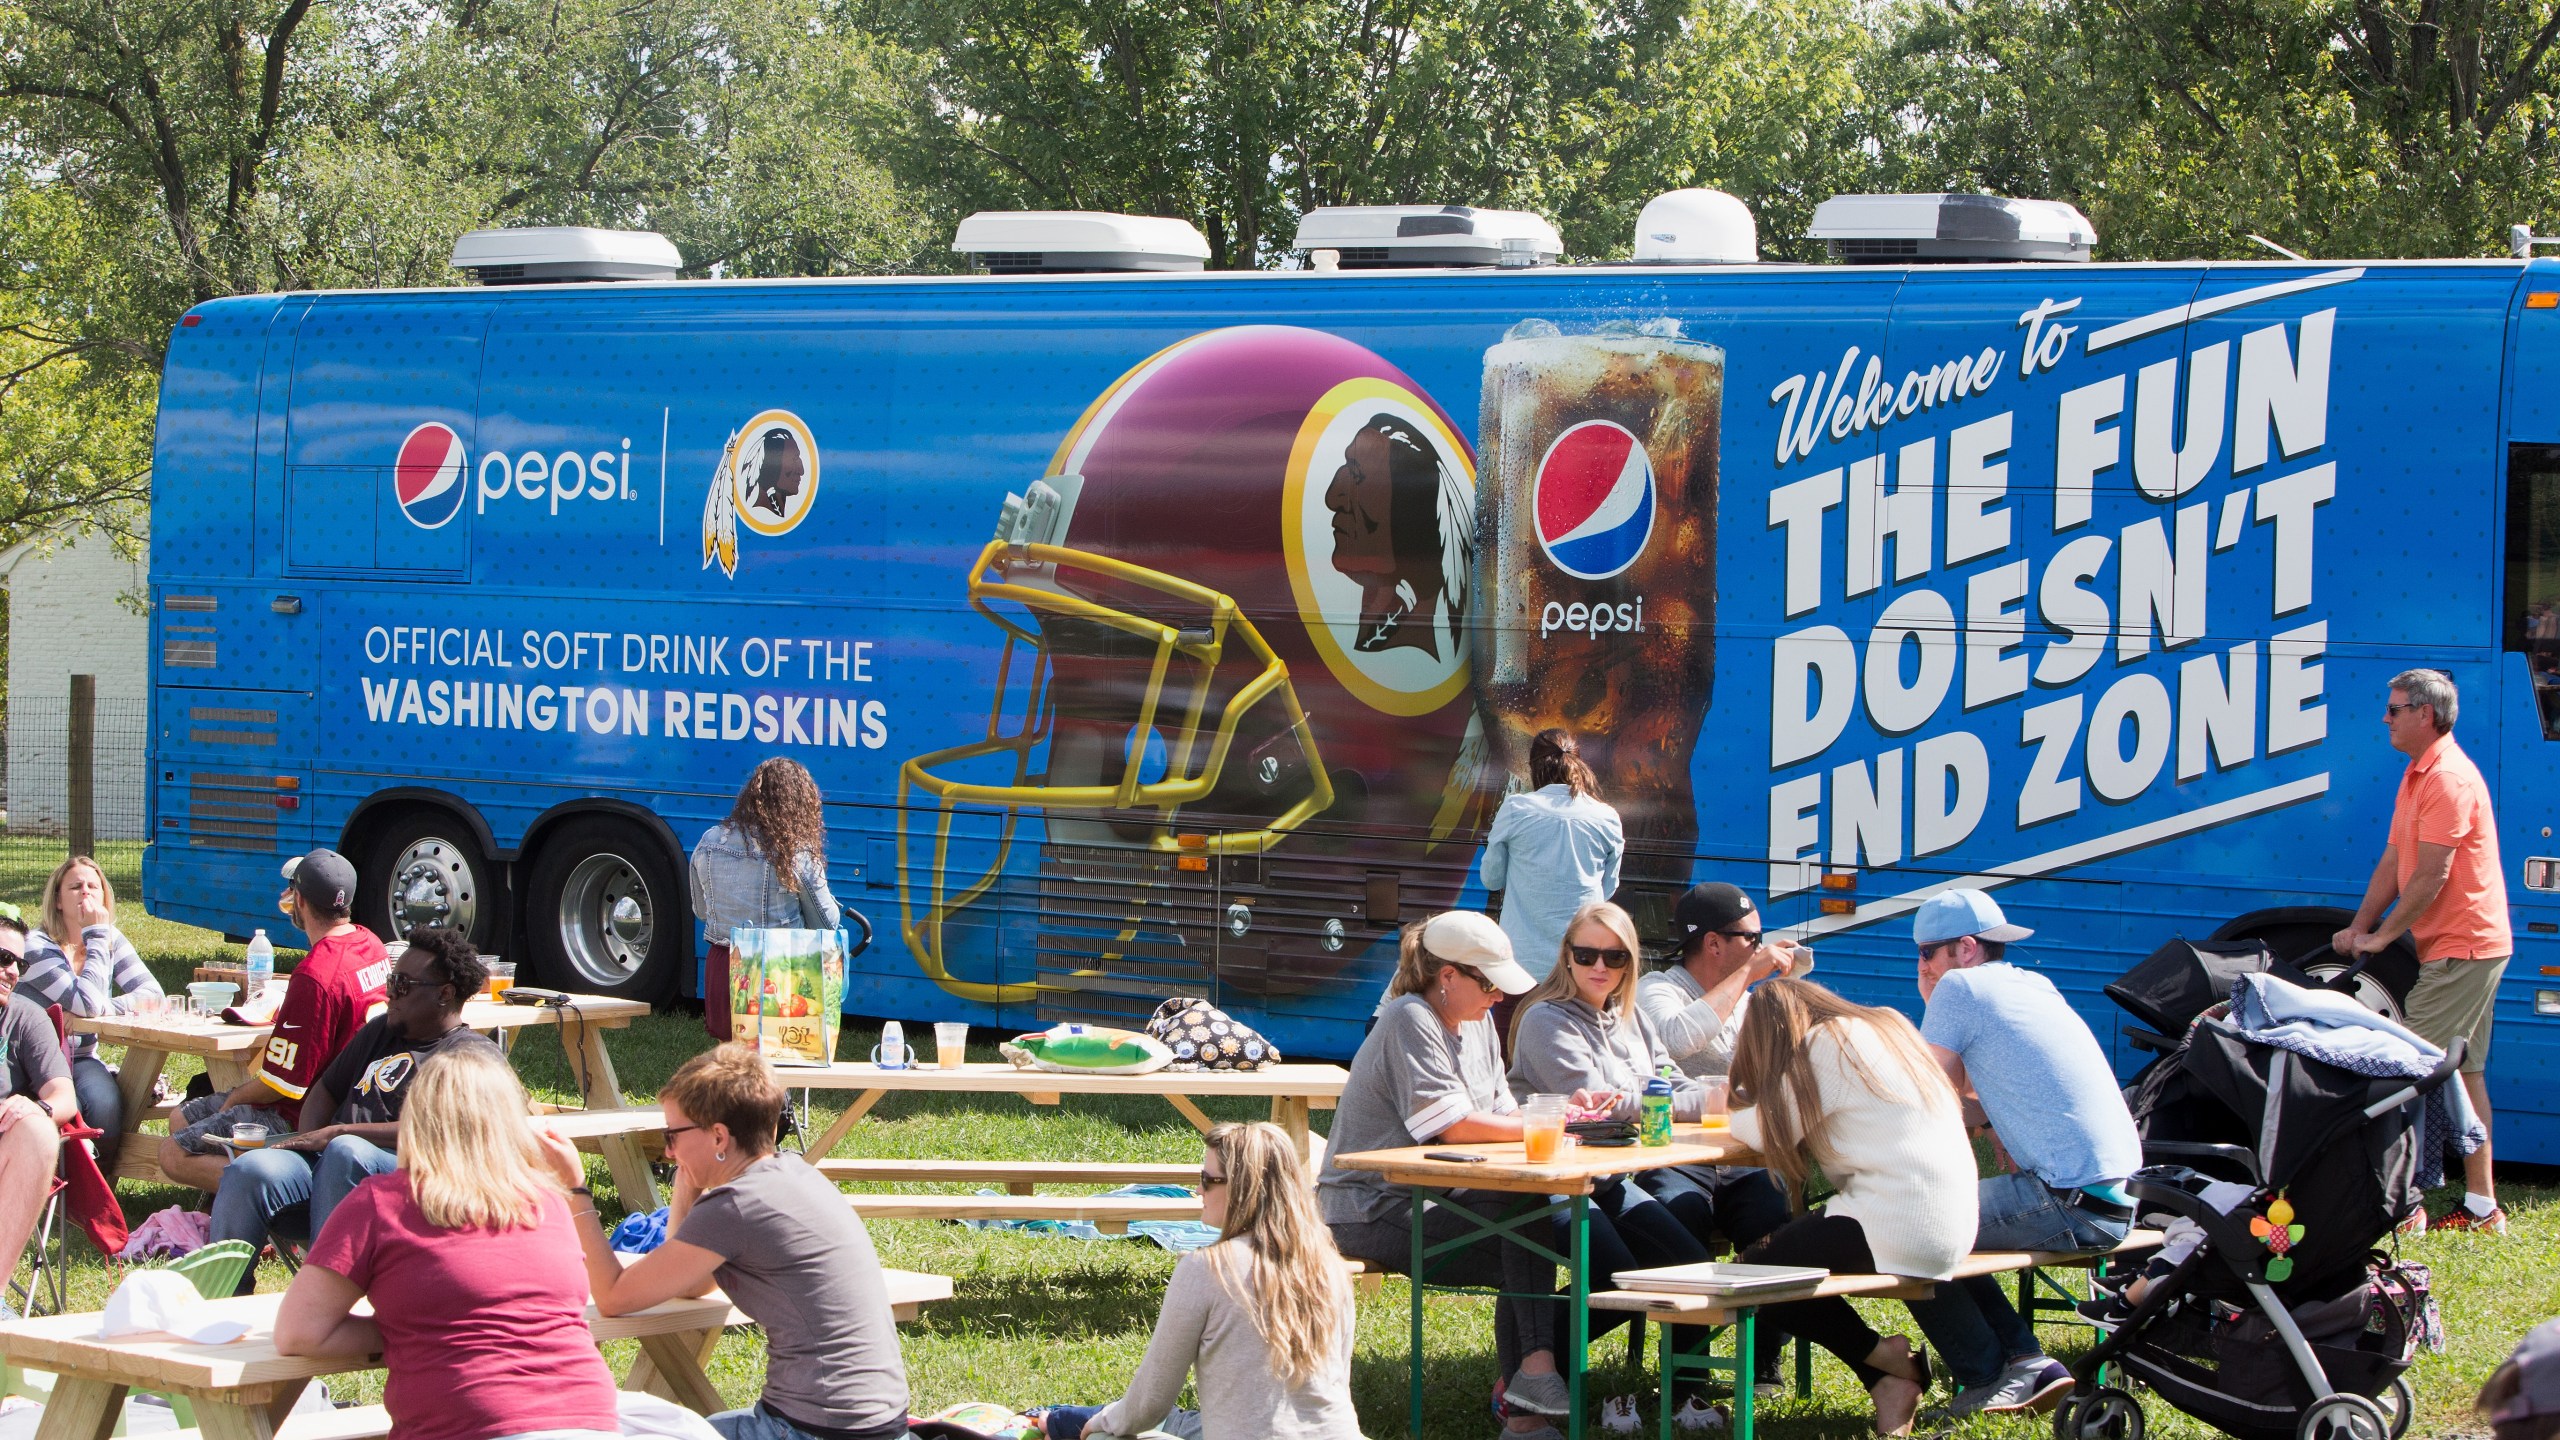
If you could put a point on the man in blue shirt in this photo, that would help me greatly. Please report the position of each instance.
(2030, 1069)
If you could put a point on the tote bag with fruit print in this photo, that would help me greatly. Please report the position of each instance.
(786, 993)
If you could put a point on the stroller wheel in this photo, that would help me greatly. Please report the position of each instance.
(2400, 1402)
(2106, 1413)
(2344, 1417)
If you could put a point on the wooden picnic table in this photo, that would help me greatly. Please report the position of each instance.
(229, 1051)
(1562, 1186)
(244, 1389)
(1293, 1090)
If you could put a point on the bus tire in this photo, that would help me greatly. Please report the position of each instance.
(425, 867)
(606, 913)
(2300, 934)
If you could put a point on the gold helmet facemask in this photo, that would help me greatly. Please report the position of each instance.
(1178, 622)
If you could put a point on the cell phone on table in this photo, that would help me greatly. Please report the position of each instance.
(1460, 1157)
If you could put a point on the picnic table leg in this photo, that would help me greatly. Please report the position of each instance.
(135, 1079)
(218, 1421)
(1289, 1112)
(629, 1165)
(1198, 1117)
(81, 1409)
(679, 1367)
(646, 1379)
(588, 1057)
(1746, 1364)
(1413, 1421)
(1578, 1313)
(825, 1145)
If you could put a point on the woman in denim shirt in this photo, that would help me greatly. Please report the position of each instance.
(737, 885)
(91, 970)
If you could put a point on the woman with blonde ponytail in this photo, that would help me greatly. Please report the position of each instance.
(1263, 1316)
(479, 1304)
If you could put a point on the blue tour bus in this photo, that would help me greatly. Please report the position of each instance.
(1160, 634)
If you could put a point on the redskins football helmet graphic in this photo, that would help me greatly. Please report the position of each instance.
(1232, 706)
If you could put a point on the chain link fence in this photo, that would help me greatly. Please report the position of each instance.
(47, 782)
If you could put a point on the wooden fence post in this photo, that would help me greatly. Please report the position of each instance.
(80, 774)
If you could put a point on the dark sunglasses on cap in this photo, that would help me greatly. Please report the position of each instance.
(1611, 956)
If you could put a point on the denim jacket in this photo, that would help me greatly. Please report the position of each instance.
(734, 887)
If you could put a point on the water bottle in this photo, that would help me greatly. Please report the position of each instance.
(262, 967)
(1655, 1128)
(891, 1052)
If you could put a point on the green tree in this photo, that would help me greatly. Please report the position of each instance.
(2337, 127)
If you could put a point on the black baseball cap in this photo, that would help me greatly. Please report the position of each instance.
(324, 878)
(1711, 906)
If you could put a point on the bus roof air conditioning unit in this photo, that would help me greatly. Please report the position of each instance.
(1079, 242)
(560, 254)
(1944, 229)
(1696, 227)
(1396, 237)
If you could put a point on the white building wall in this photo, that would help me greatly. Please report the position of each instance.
(66, 618)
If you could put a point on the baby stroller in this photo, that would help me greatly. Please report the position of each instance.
(2285, 1323)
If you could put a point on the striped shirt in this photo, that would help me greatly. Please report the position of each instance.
(97, 989)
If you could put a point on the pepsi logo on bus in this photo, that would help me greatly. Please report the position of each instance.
(1594, 500)
(427, 478)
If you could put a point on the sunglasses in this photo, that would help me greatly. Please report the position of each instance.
(1210, 1179)
(401, 983)
(1747, 937)
(1477, 976)
(2392, 712)
(1930, 952)
(1611, 956)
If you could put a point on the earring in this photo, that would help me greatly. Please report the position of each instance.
(719, 1157)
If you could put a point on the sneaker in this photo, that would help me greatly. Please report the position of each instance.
(1528, 1394)
(2461, 1218)
(2029, 1385)
(2106, 1312)
(1697, 1417)
(2415, 1227)
(1618, 1416)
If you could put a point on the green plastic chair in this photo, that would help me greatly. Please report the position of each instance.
(215, 1271)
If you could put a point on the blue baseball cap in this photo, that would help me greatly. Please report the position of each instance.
(1954, 914)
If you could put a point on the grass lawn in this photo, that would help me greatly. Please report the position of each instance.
(1039, 1319)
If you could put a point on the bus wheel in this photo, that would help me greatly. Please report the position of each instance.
(425, 869)
(606, 913)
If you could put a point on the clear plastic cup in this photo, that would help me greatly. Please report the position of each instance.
(249, 1137)
(1718, 1114)
(950, 1043)
(1542, 1129)
(502, 977)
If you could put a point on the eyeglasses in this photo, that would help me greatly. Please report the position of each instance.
(675, 1130)
(2392, 712)
(1210, 1179)
(1473, 974)
(1611, 956)
(1747, 937)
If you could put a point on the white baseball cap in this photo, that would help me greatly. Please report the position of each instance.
(162, 1302)
(1463, 937)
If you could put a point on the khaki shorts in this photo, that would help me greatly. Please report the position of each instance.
(2457, 999)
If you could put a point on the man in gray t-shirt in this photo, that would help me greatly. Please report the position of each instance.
(36, 1100)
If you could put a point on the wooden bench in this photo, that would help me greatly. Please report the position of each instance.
(355, 1422)
(1110, 1214)
(1709, 1313)
(1018, 1177)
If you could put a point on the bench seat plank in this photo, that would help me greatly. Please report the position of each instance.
(1008, 1173)
(1109, 1214)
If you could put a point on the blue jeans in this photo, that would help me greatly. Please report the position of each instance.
(101, 1104)
(758, 1423)
(1971, 1322)
(260, 1186)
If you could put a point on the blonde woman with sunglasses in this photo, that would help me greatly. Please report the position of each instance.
(1262, 1318)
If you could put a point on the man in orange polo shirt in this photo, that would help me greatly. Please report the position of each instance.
(2441, 867)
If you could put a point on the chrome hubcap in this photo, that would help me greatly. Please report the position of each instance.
(432, 884)
(607, 920)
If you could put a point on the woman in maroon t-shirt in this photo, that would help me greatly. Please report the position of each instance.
(489, 1336)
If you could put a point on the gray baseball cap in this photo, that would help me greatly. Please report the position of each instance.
(325, 879)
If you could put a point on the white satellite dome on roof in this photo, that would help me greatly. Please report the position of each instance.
(553, 254)
(1696, 227)
(1073, 242)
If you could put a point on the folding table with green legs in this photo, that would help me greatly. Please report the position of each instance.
(1560, 1188)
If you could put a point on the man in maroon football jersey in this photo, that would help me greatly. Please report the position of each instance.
(325, 1003)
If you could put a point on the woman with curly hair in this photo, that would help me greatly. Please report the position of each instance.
(764, 867)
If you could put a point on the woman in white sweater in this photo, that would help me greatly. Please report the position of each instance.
(1263, 1316)
(1851, 1090)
